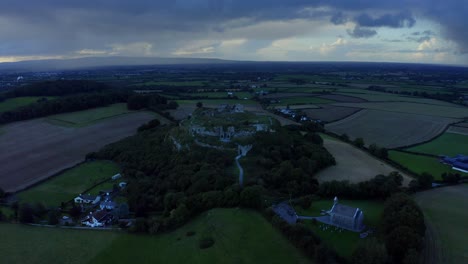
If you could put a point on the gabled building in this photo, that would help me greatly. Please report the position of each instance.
(459, 162)
(346, 217)
(87, 199)
(97, 219)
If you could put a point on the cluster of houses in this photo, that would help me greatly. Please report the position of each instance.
(292, 114)
(101, 206)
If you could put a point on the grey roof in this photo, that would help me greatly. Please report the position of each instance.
(88, 197)
(344, 210)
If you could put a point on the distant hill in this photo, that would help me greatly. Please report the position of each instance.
(93, 62)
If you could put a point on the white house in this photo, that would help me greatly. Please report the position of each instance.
(117, 176)
(122, 185)
(97, 219)
(87, 199)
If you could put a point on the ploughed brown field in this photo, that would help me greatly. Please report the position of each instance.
(32, 151)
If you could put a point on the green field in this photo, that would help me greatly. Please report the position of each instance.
(69, 184)
(419, 164)
(446, 214)
(215, 95)
(451, 111)
(303, 101)
(173, 83)
(241, 236)
(449, 144)
(215, 102)
(343, 242)
(13, 103)
(87, 117)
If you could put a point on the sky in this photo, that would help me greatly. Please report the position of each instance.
(420, 31)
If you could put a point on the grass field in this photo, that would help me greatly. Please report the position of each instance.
(303, 101)
(26, 244)
(353, 164)
(214, 95)
(444, 210)
(13, 103)
(413, 108)
(241, 236)
(390, 129)
(329, 113)
(419, 164)
(69, 184)
(174, 83)
(345, 242)
(216, 102)
(449, 144)
(87, 117)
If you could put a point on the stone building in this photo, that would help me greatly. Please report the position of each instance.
(346, 217)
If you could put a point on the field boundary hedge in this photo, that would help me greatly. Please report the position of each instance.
(429, 140)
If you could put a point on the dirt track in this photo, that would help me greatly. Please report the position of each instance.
(31, 151)
(353, 164)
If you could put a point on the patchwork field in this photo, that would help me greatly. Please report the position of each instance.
(390, 129)
(17, 102)
(387, 97)
(463, 130)
(342, 98)
(419, 164)
(241, 236)
(446, 220)
(303, 101)
(86, 117)
(33, 150)
(70, 183)
(328, 113)
(448, 144)
(452, 111)
(353, 164)
(345, 242)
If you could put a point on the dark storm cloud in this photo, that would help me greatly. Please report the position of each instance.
(53, 26)
(359, 32)
(420, 37)
(388, 20)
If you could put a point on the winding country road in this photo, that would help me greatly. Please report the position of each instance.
(241, 171)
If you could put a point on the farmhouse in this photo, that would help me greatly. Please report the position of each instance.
(346, 217)
(97, 219)
(87, 198)
(459, 162)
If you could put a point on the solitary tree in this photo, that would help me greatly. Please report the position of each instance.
(359, 142)
(199, 105)
(25, 213)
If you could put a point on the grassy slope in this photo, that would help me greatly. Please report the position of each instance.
(445, 208)
(16, 102)
(419, 164)
(86, 117)
(241, 236)
(69, 184)
(343, 242)
(448, 144)
(25, 244)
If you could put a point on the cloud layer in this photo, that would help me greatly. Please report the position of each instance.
(218, 28)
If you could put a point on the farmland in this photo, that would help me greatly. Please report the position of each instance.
(448, 144)
(413, 108)
(329, 113)
(458, 129)
(303, 101)
(48, 149)
(345, 242)
(446, 219)
(353, 165)
(13, 103)
(86, 117)
(419, 164)
(240, 236)
(390, 129)
(69, 184)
